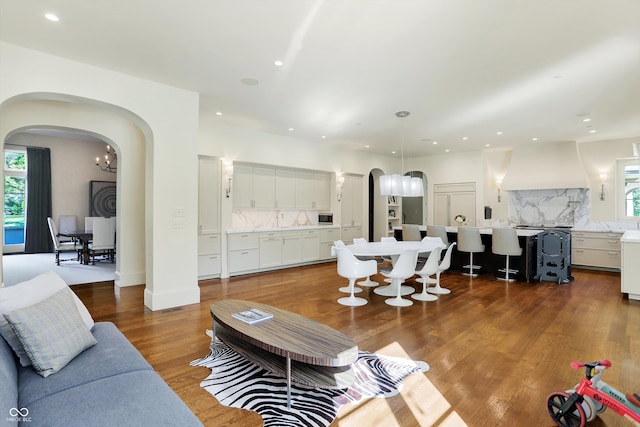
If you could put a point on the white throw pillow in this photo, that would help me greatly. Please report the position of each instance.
(51, 332)
(28, 293)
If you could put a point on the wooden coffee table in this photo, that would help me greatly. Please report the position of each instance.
(302, 350)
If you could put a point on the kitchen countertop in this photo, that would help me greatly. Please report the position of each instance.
(598, 230)
(631, 236)
(301, 228)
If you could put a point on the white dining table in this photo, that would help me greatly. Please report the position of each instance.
(393, 250)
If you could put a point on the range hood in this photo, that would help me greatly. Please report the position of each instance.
(545, 167)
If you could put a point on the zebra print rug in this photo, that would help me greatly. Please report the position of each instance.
(238, 383)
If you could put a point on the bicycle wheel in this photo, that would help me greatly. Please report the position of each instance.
(575, 417)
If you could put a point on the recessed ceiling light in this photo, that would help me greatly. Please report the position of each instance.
(435, 142)
(51, 17)
(393, 152)
(534, 139)
(367, 146)
(593, 131)
(447, 150)
(586, 120)
(464, 138)
(499, 132)
(290, 129)
(249, 81)
(323, 136)
(487, 145)
(218, 113)
(278, 63)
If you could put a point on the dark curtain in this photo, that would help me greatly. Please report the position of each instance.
(37, 238)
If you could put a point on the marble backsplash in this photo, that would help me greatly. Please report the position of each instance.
(251, 219)
(570, 206)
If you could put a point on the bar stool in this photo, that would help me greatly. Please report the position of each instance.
(505, 242)
(438, 231)
(411, 232)
(469, 241)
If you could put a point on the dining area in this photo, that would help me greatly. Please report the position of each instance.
(397, 261)
(94, 241)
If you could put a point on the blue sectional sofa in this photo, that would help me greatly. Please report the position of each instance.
(107, 384)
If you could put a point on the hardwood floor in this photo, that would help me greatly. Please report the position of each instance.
(496, 350)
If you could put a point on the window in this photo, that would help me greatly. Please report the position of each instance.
(15, 175)
(629, 174)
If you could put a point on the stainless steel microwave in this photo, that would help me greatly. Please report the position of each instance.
(325, 218)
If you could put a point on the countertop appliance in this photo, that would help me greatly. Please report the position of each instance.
(325, 218)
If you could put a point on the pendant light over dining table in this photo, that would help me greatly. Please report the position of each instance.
(401, 184)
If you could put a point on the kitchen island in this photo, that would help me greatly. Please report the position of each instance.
(630, 268)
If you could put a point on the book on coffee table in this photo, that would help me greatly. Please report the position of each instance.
(252, 316)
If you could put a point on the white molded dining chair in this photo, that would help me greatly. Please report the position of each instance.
(430, 267)
(352, 268)
(367, 282)
(443, 266)
(104, 238)
(346, 289)
(403, 269)
(60, 247)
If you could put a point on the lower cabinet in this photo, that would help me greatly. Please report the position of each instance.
(209, 259)
(327, 237)
(596, 249)
(249, 252)
(244, 252)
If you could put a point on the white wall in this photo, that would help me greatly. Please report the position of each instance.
(167, 118)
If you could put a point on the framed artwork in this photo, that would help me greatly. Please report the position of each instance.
(102, 198)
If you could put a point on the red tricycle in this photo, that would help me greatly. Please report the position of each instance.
(592, 396)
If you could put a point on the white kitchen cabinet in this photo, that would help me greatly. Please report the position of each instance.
(244, 252)
(351, 204)
(350, 233)
(596, 249)
(291, 247)
(285, 189)
(209, 258)
(327, 237)
(312, 190)
(253, 186)
(454, 199)
(270, 249)
(630, 267)
(208, 195)
(310, 245)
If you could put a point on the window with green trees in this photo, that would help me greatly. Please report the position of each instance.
(14, 196)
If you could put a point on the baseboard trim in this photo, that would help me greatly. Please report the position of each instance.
(134, 279)
(175, 298)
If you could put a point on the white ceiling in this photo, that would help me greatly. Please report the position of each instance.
(531, 69)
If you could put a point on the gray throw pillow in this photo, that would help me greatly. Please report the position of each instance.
(52, 332)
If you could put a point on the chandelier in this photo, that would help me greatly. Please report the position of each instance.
(109, 161)
(400, 184)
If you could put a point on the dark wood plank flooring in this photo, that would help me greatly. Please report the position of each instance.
(496, 350)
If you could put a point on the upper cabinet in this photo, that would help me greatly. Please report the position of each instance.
(312, 190)
(268, 187)
(254, 186)
(352, 209)
(208, 195)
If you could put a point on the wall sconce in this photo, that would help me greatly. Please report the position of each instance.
(603, 179)
(340, 185)
(498, 184)
(228, 170)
